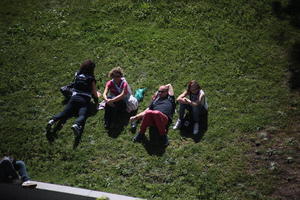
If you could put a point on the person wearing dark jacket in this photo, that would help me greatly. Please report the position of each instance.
(84, 90)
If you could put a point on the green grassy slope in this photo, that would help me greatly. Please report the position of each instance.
(230, 47)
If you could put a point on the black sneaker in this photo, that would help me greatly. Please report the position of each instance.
(138, 138)
(49, 126)
(133, 126)
(76, 130)
(58, 126)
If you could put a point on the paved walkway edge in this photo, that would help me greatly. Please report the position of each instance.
(56, 192)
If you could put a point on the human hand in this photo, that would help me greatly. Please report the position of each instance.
(186, 100)
(99, 94)
(109, 102)
(132, 118)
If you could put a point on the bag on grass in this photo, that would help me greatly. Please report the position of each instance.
(132, 104)
(67, 90)
(139, 94)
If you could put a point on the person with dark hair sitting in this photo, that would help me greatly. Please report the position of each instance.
(158, 114)
(14, 171)
(84, 90)
(193, 100)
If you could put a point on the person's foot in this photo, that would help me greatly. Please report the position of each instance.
(29, 184)
(177, 124)
(76, 130)
(101, 105)
(196, 128)
(138, 137)
(133, 126)
(49, 125)
(58, 126)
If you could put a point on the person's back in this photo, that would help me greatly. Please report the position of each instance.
(83, 84)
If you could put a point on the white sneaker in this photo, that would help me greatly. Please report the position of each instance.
(29, 184)
(196, 128)
(101, 105)
(177, 124)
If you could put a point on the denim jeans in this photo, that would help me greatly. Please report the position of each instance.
(78, 104)
(10, 171)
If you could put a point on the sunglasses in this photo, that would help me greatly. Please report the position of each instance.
(162, 91)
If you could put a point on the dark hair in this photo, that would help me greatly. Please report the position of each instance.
(87, 67)
(191, 83)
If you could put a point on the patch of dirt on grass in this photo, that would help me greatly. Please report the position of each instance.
(278, 152)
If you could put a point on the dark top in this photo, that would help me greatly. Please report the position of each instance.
(165, 105)
(83, 83)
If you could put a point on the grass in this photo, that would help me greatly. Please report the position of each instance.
(237, 50)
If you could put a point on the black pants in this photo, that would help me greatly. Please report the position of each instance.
(111, 112)
(77, 105)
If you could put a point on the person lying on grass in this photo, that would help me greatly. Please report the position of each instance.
(84, 90)
(158, 114)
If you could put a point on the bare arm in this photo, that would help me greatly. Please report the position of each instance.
(182, 97)
(105, 93)
(198, 101)
(138, 116)
(170, 90)
(118, 98)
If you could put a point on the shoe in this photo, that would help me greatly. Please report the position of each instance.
(177, 124)
(101, 106)
(59, 125)
(49, 125)
(133, 126)
(28, 184)
(76, 130)
(196, 128)
(138, 137)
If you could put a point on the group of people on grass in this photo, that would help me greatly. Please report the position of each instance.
(159, 113)
(115, 98)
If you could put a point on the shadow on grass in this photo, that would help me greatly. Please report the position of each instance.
(187, 127)
(119, 121)
(189, 134)
(155, 145)
(294, 68)
(290, 12)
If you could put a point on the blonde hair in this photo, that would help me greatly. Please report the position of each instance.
(115, 70)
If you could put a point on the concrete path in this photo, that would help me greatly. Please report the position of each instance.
(48, 191)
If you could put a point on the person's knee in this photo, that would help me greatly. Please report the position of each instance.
(20, 163)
